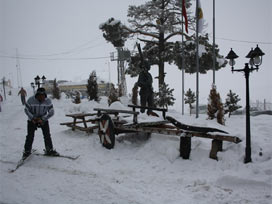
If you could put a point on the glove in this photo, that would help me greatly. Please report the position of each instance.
(37, 121)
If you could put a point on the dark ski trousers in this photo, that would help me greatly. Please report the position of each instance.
(23, 100)
(146, 97)
(31, 128)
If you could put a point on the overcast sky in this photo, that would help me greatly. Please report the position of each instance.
(58, 36)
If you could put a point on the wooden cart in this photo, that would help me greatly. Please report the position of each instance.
(109, 126)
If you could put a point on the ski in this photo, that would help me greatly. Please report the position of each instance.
(61, 155)
(21, 162)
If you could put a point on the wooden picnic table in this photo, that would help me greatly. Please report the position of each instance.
(81, 118)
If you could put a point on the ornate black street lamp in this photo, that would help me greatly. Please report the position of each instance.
(37, 80)
(255, 60)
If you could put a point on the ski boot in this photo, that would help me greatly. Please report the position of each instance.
(51, 152)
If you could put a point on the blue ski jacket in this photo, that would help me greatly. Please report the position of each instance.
(36, 109)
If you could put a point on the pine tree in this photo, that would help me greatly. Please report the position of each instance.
(56, 90)
(134, 98)
(92, 87)
(164, 97)
(190, 98)
(231, 103)
(157, 24)
(113, 96)
(215, 106)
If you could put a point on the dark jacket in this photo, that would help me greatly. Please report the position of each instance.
(145, 82)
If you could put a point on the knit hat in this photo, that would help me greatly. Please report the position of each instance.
(41, 91)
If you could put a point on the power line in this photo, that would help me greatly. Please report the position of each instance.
(53, 59)
(244, 41)
(77, 49)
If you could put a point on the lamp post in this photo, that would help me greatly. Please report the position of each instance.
(38, 82)
(255, 60)
(33, 86)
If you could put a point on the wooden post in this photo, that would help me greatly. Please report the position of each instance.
(216, 147)
(74, 124)
(185, 147)
(84, 122)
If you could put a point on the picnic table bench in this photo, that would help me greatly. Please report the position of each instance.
(163, 110)
(81, 118)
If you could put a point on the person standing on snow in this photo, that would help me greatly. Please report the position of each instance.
(145, 83)
(1, 99)
(23, 94)
(39, 109)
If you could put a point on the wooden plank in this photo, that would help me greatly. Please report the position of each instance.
(80, 115)
(115, 111)
(88, 129)
(149, 124)
(150, 108)
(227, 138)
(149, 130)
(89, 120)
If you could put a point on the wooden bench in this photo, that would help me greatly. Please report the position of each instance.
(163, 110)
(116, 112)
(82, 119)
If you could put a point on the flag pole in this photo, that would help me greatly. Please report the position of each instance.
(182, 54)
(197, 59)
(214, 57)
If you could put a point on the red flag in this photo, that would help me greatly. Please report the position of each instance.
(185, 15)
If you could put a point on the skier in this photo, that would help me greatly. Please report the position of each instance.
(39, 109)
(23, 94)
(145, 83)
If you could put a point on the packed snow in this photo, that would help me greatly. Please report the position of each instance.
(138, 170)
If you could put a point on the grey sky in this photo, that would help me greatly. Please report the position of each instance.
(69, 28)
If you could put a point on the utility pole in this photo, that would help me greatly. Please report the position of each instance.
(123, 55)
(19, 74)
(214, 56)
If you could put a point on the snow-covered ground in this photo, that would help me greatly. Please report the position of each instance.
(135, 171)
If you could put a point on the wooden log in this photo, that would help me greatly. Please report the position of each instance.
(193, 128)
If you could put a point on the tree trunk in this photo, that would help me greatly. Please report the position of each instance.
(161, 61)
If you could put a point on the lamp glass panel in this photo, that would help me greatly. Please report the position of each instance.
(232, 62)
(257, 60)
